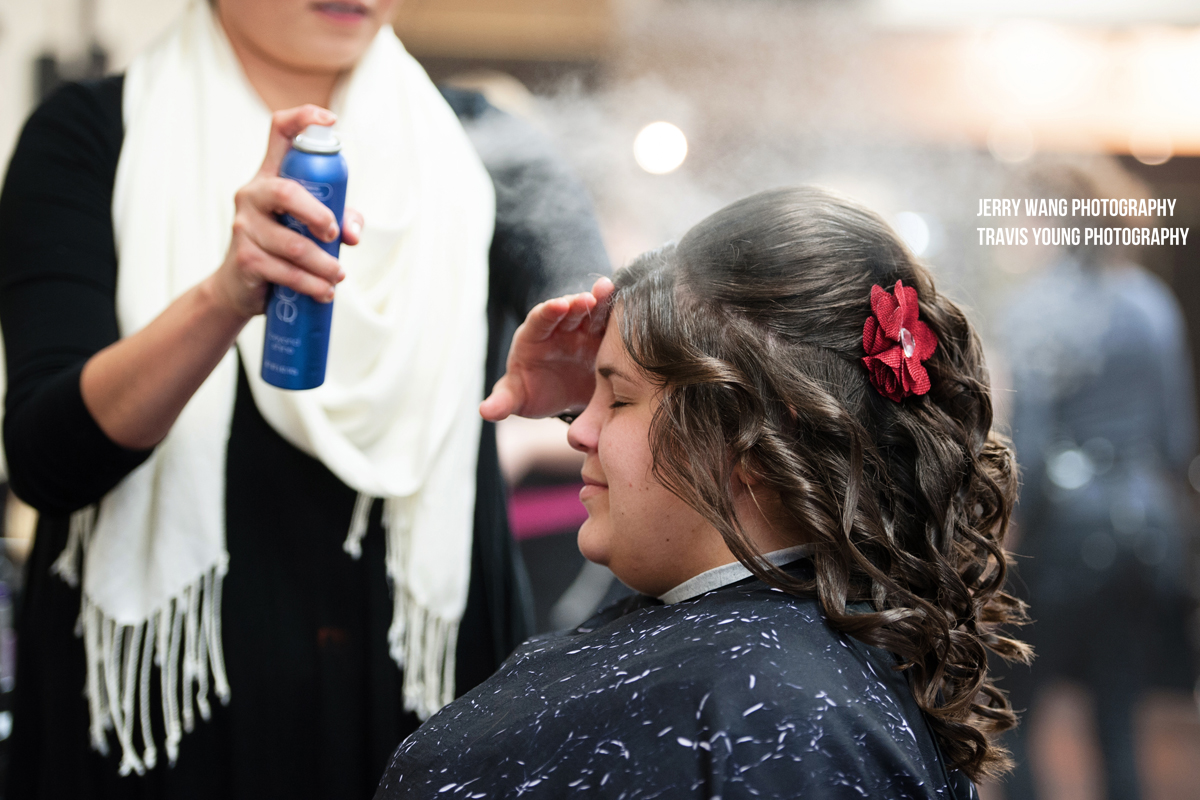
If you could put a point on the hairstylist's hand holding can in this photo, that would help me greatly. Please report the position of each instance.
(262, 251)
(136, 387)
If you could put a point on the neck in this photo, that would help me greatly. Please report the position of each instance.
(758, 523)
(280, 85)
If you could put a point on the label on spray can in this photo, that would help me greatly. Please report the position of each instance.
(297, 340)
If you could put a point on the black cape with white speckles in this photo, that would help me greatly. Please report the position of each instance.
(742, 692)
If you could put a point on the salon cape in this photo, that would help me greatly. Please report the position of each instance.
(735, 690)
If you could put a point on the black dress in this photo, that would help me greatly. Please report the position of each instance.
(316, 700)
(743, 692)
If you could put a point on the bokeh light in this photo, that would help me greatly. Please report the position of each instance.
(914, 230)
(1151, 145)
(660, 148)
(1011, 141)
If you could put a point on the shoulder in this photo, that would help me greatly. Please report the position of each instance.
(1033, 297)
(761, 675)
(739, 647)
(91, 106)
(79, 123)
(782, 639)
(1150, 297)
(467, 105)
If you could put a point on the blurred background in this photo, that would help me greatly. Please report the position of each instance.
(669, 109)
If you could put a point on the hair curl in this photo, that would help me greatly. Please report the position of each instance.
(752, 326)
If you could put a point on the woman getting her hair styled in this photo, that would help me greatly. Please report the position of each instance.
(270, 587)
(789, 455)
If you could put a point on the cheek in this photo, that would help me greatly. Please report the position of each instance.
(654, 539)
(627, 533)
(617, 524)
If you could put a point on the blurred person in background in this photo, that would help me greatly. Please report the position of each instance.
(334, 564)
(1104, 424)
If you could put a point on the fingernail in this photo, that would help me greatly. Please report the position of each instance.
(354, 227)
(331, 233)
(341, 276)
(329, 296)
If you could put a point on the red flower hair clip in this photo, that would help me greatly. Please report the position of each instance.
(896, 343)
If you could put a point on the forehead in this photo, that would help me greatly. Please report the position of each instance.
(611, 346)
(612, 353)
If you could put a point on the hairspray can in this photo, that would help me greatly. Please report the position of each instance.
(297, 340)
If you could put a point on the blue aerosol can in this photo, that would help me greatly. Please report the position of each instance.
(297, 341)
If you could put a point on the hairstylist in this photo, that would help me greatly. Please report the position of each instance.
(237, 591)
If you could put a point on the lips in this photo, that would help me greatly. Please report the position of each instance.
(343, 9)
(591, 488)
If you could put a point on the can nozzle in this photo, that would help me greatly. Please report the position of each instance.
(317, 139)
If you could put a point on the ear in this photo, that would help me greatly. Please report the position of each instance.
(756, 508)
(743, 479)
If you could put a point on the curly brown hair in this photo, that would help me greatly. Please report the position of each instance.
(752, 325)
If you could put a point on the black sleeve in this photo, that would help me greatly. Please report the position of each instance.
(58, 272)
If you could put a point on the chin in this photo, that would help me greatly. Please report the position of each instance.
(332, 53)
(592, 543)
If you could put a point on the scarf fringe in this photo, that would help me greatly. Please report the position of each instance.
(358, 525)
(67, 565)
(425, 647)
(183, 639)
(421, 643)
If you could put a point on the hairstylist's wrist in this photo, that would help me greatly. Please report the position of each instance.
(224, 304)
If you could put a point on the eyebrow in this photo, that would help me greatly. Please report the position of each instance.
(608, 373)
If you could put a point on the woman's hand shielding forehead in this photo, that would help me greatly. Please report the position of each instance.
(552, 361)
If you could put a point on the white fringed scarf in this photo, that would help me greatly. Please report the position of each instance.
(396, 418)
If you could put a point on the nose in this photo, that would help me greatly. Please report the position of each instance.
(584, 431)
